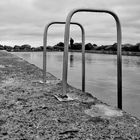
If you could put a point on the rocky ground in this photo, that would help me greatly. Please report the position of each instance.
(30, 110)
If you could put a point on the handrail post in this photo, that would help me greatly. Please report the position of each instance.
(119, 59)
(83, 50)
(44, 52)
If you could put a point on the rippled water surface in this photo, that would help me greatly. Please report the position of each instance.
(101, 73)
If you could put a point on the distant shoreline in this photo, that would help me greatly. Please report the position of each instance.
(127, 49)
(125, 53)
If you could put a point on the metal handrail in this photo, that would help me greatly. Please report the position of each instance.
(119, 57)
(83, 50)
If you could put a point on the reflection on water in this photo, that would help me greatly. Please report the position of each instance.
(89, 59)
(71, 60)
(27, 55)
(135, 62)
(101, 71)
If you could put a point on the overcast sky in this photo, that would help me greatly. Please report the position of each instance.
(23, 21)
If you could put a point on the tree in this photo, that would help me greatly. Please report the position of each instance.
(111, 47)
(77, 46)
(138, 46)
(59, 46)
(8, 48)
(95, 45)
(88, 46)
(1, 47)
(16, 48)
(25, 47)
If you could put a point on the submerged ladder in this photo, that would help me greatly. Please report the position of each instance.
(119, 57)
(83, 50)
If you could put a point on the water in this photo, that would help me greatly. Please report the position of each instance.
(101, 79)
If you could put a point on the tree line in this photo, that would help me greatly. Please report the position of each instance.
(74, 47)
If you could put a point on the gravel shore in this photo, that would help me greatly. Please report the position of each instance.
(30, 110)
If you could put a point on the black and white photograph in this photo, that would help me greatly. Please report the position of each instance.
(69, 69)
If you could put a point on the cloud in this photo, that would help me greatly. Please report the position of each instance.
(25, 20)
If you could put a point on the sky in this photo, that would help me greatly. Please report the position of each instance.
(23, 21)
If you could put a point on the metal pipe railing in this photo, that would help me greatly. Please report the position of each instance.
(119, 57)
(83, 50)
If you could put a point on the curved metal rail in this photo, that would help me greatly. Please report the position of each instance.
(83, 50)
(119, 58)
